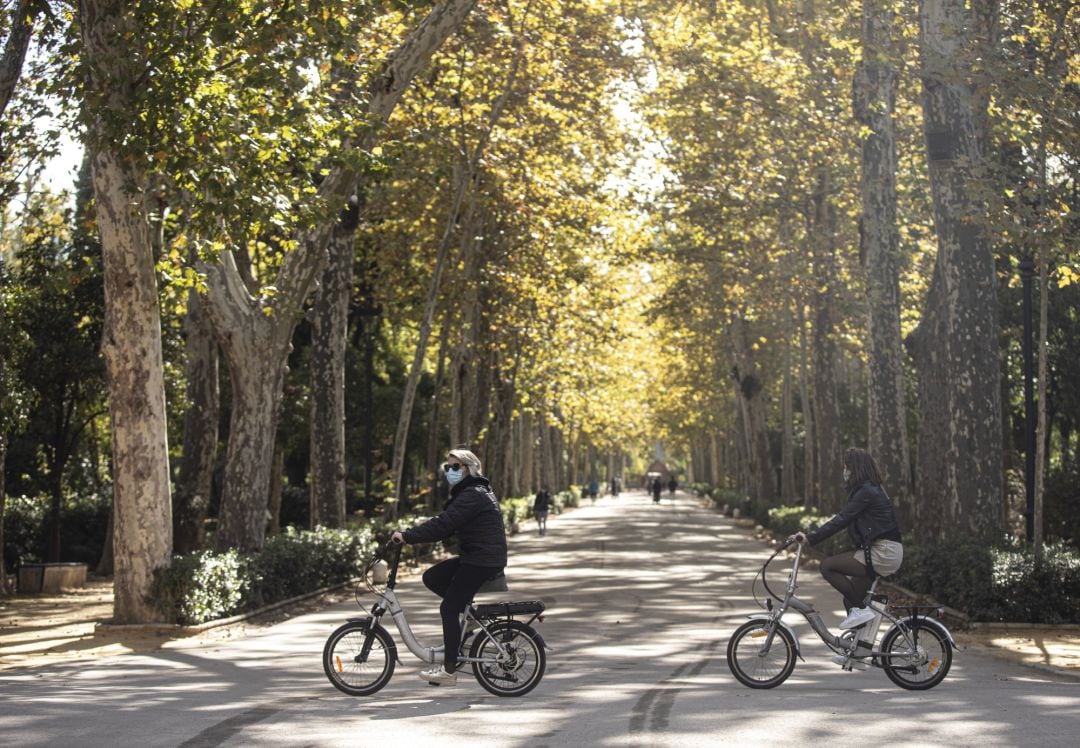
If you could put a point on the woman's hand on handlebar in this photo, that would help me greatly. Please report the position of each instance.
(397, 538)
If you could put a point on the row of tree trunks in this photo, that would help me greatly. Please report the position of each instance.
(750, 395)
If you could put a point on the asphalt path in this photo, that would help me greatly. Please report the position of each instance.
(641, 601)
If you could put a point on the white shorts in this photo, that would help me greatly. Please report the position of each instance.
(887, 555)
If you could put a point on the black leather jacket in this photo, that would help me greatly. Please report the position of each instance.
(472, 512)
(868, 515)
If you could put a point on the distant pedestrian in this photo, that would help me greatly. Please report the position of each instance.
(657, 487)
(540, 510)
(672, 485)
(594, 489)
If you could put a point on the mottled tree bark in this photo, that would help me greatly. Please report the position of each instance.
(750, 394)
(787, 443)
(811, 498)
(826, 407)
(329, 329)
(194, 484)
(3, 505)
(131, 339)
(954, 115)
(874, 105)
(18, 42)
(131, 346)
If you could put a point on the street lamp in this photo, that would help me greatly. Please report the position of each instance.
(1027, 271)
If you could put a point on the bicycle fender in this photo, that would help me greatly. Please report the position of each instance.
(794, 635)
(935, 624)
(365, 621)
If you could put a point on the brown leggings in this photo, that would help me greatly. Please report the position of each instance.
(848, 576)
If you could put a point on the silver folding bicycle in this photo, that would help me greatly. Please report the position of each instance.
(507, 655)
(915, 653)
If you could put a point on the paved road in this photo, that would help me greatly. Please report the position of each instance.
(641, 601)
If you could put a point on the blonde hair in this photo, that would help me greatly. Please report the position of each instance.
(469, 459)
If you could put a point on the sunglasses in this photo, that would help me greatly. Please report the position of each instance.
(451, 466)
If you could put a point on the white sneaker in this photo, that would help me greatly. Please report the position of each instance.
(857, 617)
(438, 676)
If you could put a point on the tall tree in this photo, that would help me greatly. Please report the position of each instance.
(874, 106)
(256, 331)
(962, 308)
(114, 67)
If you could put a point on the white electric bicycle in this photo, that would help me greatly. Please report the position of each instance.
(507, 655)
(915, 653)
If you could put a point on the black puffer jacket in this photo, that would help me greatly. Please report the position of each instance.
(472, 512)
(868, 515)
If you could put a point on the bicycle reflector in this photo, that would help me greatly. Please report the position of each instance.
(337, 660)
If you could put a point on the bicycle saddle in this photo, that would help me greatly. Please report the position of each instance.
(496, 584)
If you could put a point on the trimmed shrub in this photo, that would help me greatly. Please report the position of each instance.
(516, 510)
(296, 562)
(200, 587)
(997, 583)
(206, 585)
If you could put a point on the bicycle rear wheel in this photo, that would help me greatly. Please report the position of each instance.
(520, 666)
(754, 667)
(359, 658)
(921, 668)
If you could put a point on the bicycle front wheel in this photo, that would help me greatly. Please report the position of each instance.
(751, 664)
(517, 668)
(922, 667)
(359, 659)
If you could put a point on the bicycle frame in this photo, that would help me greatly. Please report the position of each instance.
(389, 603)
(838, 644)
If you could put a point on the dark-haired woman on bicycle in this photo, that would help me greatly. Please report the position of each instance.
(871, 522)
(472, 513)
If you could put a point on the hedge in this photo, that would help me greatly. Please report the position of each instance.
(988, 581)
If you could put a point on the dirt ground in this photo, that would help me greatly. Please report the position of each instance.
(48, 629)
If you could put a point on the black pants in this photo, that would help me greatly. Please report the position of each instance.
(456, 583)
(848, 576)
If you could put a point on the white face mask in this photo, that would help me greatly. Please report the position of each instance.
(847, 475)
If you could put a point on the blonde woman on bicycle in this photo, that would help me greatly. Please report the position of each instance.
(472, 513)
(871, 522)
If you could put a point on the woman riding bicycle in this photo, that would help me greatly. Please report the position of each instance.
(871, 522)
(472, 513)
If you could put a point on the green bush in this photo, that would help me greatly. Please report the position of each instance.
(24, 530)
(296, 562)
(516, 510)
(571, 497)
(205, 585)
(200, 586)
(997, 583)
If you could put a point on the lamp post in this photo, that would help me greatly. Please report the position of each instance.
(1027, 271)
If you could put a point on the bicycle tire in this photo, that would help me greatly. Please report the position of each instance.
(523, 670)
(930, 664)
(750, 666)
(342, 653)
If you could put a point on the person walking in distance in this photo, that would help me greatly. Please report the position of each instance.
(541, 505)
(472, 513)
(657, 487)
